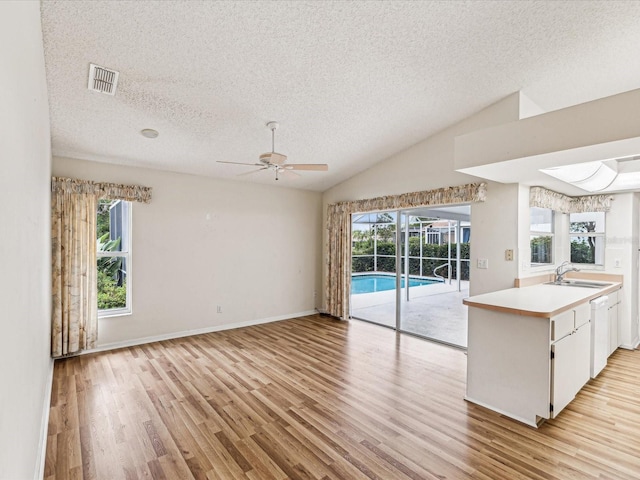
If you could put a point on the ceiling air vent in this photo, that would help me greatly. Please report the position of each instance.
(102, 79)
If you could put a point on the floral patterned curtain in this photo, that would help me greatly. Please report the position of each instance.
(338, 281)
(73, 243)
(113, 191)
(74, 317)
(543, 198)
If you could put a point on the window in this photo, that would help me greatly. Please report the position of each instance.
(114, 257)
(586, 232)
(541, 235)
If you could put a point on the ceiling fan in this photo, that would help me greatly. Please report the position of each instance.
(277, 161)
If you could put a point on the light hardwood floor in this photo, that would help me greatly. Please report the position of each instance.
(315, 398)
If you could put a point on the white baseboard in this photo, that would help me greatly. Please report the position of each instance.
(44, 428)
(631, 346)
(198, 331)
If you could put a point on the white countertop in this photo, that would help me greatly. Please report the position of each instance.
(539, 300)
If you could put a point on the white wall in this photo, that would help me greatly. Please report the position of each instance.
(633, 292)
(426, 165)
(494, 229)
(430, 164)
(524, 244)
(202, 242)
(25, 292)
(622, 243)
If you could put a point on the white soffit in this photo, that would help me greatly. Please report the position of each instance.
(601, 130)
(351, 83)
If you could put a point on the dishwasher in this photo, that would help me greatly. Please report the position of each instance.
(599, 334)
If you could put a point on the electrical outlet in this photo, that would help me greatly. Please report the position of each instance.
(617, 263)
(508, 255)
(482, 263)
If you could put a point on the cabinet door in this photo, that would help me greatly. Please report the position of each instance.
(563, 383)
(613, 328)
(570, 367)
(582, 339)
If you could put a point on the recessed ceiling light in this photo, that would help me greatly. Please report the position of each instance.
(149, 133)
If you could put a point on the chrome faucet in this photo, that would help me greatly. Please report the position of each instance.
(560, 273)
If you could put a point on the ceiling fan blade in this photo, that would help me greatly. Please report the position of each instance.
(252, 171)
(290, 174)
(240, 163)
(317, 167)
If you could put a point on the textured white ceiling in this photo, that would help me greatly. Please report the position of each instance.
(351, 83)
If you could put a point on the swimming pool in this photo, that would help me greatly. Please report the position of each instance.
(378, 283)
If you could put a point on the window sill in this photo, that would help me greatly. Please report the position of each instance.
(588, 266)
(121, 312)
(542, 267)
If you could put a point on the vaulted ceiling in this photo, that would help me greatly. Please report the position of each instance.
(351, 83)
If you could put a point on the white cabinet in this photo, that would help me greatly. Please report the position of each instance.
(614, 305)
(562, 374)
(583, 355)
(570, 356)
(512, 335)
(510, 368)
(599, 334)
(562, 325)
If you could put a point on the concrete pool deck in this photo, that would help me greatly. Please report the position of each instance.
(435, 311)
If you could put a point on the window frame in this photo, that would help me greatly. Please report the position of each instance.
(539, 233)
(127, 309)
(594, 235)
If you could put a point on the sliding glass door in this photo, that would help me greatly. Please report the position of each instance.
(436, 250)
(373, 267)
(411, 271)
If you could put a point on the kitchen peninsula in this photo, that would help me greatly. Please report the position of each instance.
(529, 348)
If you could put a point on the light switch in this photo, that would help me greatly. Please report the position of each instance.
(482, 263)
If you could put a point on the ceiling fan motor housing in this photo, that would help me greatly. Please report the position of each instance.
(273, 158)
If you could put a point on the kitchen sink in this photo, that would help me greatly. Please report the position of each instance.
(579, 283)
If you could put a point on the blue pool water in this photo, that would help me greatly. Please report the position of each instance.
(379, 283)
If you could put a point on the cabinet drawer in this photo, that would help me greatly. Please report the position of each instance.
(562, 325)
(583, 314)
(613, 298)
